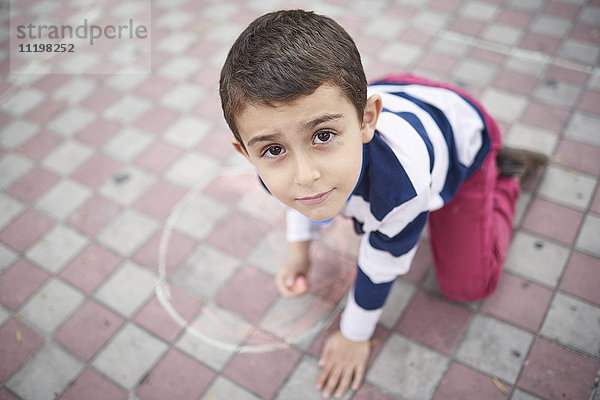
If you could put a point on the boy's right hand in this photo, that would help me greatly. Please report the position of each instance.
(291, 279)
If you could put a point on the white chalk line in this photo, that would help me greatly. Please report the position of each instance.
(163, 293)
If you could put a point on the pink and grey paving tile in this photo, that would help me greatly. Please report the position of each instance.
(156, 319)
(518, 301)
(94, 214)
(249, 301)
(129, 356)
(44, 376)
(19, 282)
(25, 230)
(494, 347)
(573, 322)
(461, 382)
(553, 221)
(138, 250)
(434, 322)
(31, 186)
(263, 373)
(88, 330)
(177, 376)
(582, 277)
(19, 343)
(536, 258)
(92, 385)
(51, 306)
(126, 290)
(555, 372)
(587, 239)
(406, 368)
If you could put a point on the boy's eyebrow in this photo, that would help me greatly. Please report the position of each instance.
(324, 118)
(264, 138)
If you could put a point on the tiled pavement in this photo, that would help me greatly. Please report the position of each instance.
(101, 174)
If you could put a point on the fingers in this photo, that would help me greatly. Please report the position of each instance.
(283, 285)
(332, 381)
(323, 376)
(325, 367)
(337, 378)
(346, 378)
(300, 285)
(333, 374)
(359, 374)
(291, 286)
(343, 365)
(328, 378)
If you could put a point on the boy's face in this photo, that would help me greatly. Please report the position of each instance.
(308, 152)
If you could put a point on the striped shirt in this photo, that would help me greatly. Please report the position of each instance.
(427, 142)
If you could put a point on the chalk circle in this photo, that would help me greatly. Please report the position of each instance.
(289, 321)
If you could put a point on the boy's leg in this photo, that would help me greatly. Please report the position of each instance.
(470, 235)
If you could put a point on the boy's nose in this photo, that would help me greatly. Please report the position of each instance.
(306, 172)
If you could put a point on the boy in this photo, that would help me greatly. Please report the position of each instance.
(390, 157)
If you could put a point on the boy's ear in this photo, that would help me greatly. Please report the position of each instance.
(371, 115)
(238, 147)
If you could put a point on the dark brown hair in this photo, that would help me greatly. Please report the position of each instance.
(287, 54)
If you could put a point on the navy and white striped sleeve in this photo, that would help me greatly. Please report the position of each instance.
(367, 297)
(381, 259)
(394, 212)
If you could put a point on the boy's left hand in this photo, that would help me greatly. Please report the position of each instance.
(343, 362)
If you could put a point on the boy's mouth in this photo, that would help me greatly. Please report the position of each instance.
(313, 200)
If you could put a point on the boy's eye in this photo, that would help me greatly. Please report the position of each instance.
(323, 137)
(274, 151)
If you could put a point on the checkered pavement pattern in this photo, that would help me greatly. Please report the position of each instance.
(93, 168)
